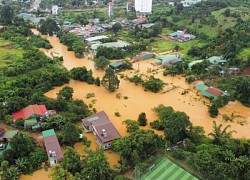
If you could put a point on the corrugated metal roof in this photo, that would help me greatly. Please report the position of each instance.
(48, 133)
(10, 134)
(29, 111)
(201, 87)
(30, 122)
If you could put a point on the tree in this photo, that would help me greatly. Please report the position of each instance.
(153, 84)
(213, 110)
(71, 161)
(12, 174)
(110, 81)
(227, 12)
(49, 26)
(4, 165)
(82, 74)
(22, 145)
(116, 27)
(58, 173)
(65, 93)
(131, 125)
(6, 15)
(70, 134)
(97, 81)
(142, 119)
(95, 166)
(22, 165)
(220, 135)
(101, 63)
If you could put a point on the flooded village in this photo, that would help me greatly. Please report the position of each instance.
(194, 121)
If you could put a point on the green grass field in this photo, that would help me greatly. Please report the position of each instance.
(167, 170)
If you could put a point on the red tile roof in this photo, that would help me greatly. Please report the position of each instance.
(139, 56)
(52, 144)
(214, 91)
(30, 110)
(140, 20)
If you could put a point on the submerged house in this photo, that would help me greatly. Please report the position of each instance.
(103, 129)
(116, 65)
(168, 60)
(210, 92)
(52, 147)
(143, 56)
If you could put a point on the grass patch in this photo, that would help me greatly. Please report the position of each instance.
(244, 53)
(164, 45)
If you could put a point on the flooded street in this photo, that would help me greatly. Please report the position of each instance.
(137, 100)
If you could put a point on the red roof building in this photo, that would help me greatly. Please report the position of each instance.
(141, 20)
(214, 91)
(29, 111)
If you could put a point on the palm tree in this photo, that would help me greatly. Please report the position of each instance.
(12, 173)
(22, 164)
(219, 134)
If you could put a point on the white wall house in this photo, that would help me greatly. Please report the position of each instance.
(143, 6)
(188, 3)
(56, 10)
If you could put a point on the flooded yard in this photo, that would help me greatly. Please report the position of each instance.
(130, 100)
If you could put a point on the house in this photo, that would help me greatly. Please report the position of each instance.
(187, 3)
(103, 129)
(201, 87)
(212, 92)
(141, 20)
(110, 9)
(56, 10)
(181, 36)
(95, 38)
(217, 60)
(52, 147)
(147, 26)
(116, 65)
(30, 112)
(143, 56)
(169, 60)
(29, 123)
(5, 138)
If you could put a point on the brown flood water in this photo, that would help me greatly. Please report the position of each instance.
(141, 101)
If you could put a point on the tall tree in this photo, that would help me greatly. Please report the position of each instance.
(116, 27)
(65, 93)
(142, 119)
(58, 173)
(101, 63)
(70, 133)
(110, 81)
(6, 15)
(220, 135)
(71, 161)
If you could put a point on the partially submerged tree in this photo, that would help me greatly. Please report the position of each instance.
(110, 81)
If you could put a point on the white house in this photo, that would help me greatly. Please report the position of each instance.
(56, 10)
(187, 3)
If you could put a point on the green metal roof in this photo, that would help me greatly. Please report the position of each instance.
(10, 134)
(30, 122)
(48, 133)
(206, 94)
(116, 64)
(201, 87)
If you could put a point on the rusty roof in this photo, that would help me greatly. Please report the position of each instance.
(52, 144)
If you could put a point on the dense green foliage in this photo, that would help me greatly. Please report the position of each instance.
(153, 84)
(93, 165)
(65, 93)
(27, 73)
(70, 133)
(142, 120)
(73, 43)
(137, 147)
(82, 74)
(6, 15)
(24, 155)
(110, 81)
(101, 63)
(39, 42)
(49, 26)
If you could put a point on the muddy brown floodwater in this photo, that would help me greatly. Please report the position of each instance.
(139, 100)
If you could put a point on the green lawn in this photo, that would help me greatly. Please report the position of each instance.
(162, 45)
(167, 170)
(5, 53)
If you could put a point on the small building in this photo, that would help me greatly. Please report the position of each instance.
(143, 56)
(212, 92)
(95, 38)
(187, 3)
(147, 26)
(141, 20)
(52, 147)
(30, 112)
(56, 10)
(181, 36)
(169, 60)
(5, 138)
(217, 60)
(102, 128)
(116, 65)
(29, 123)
